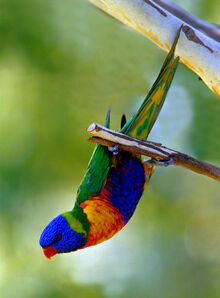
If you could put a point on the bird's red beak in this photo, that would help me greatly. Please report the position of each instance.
(49, 252)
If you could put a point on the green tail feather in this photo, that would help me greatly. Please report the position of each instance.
(141, 123)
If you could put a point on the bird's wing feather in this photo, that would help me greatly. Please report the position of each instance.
(97, 171)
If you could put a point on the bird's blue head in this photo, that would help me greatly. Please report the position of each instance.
(65, 233)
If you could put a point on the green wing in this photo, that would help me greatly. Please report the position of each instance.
(141, 123)
(97, 171)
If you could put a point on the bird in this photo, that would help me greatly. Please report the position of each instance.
(114, 181)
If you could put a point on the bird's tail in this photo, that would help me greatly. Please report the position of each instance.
(140, 125)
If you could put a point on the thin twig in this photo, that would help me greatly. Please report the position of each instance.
(107, 137)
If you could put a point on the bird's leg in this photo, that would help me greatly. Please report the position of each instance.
(161, 163)
(114, 149)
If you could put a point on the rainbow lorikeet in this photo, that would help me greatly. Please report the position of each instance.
(113, 183)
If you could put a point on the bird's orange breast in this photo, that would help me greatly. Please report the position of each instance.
(105, 220)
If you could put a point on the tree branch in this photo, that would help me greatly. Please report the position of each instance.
(107, 137)
(196, 50)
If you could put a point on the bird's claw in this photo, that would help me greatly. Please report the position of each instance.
(161, 163)
(114, 149)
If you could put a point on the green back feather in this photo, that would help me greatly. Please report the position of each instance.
(97, 171)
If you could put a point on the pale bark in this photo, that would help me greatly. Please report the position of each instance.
(210, 30)
(196, 50)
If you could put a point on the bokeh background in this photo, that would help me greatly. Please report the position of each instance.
(62, 64)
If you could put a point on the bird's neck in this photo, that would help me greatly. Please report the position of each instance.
(77, 220)
(105, 220)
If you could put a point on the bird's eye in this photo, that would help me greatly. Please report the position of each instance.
(57, 237)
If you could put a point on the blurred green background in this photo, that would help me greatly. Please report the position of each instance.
(62, 64)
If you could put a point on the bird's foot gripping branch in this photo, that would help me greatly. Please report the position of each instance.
(158, 152)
